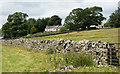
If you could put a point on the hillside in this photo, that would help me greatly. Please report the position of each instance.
(25, 60)
(106, 35)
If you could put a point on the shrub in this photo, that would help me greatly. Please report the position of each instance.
(51, 51)
(75, 59)
(63, 29)
(78, 59)
(106, 25)
(33, 30)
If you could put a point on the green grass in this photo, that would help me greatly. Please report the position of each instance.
(15, 59)
(41, 33)
(106, 35)
(78, 59)
(20, 59)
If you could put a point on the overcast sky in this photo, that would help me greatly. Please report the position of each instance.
(46, 8)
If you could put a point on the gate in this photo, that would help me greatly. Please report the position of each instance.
(114, 54)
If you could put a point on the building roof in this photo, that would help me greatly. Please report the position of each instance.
(93, 26)
(103, 23)
(52, 27)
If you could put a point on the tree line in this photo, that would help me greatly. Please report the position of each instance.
(18, 25)
(114, 19)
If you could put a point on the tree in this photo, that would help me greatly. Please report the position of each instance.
(92, 16)
(63, 29)
(82, 18)
(31, 22)
(73, 20)
(15, 26)
(47, 20)
(24, 30)
(113, 20)
(54, 20)
(41, 24)
(33, 30)
(6, 30)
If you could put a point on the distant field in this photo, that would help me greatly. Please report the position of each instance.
(106, 35)
(20, 59)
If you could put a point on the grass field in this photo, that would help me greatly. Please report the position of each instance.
(20, 59)
(106, 35)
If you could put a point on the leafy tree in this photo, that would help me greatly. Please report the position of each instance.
(82, 18)
(63, 29)
(54, 20)
(113, 20)
(92, 16)
(47, 20)
(31, 22)
(24, 29)
(6, 30)
(16, 25)
(33, 30)
(72, 21)
(41, 24)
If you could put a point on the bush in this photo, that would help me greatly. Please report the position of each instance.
(78, 59)
(75, 59)
(63, 29)
(33, 30)
(106, 25)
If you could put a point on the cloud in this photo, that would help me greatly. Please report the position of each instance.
(59, 0)
(42, 0)
(28, 4)
(119, 4)
(46, 8)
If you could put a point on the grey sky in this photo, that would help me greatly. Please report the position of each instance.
(46, 8)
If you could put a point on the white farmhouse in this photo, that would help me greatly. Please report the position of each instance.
(52, 28)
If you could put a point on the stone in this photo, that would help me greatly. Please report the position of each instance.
(100, 45)
(99, 41)
(70, 67)
(76, 50)
(63, 67)
(28, 35)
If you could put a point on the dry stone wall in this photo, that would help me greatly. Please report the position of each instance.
(98, 50)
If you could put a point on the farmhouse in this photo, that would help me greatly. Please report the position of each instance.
(52, 28)
(97, 27)
(102, 25)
